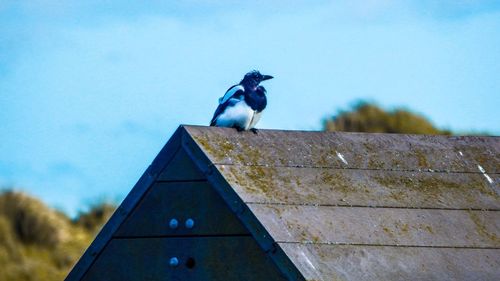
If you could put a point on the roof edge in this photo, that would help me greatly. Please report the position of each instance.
(187, 126)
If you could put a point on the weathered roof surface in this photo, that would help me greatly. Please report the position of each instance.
(354, 206)
(358, 150)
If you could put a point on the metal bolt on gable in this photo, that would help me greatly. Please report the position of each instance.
(174, 261)
(189, 223)
(173, 224)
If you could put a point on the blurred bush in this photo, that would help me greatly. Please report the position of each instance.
(32, 222)
(38, 243)
(95, 218)
(370, 118)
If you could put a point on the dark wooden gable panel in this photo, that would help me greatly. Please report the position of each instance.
(181, 168)
(211, 258)
(181, 193)
(181, 201)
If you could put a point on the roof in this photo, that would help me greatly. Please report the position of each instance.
(339, 206)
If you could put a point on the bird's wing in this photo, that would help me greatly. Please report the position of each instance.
(232, 95)
(231, 92)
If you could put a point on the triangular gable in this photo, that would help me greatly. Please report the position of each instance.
(150, 228)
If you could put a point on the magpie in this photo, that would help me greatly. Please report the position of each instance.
(242, 104)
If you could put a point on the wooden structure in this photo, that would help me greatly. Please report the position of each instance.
(217, 204)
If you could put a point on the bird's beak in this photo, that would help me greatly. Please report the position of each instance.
(266, 77)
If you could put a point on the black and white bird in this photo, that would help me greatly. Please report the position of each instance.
(242, 104)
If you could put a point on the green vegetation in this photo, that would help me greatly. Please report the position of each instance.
(370, 118)
(38, 243)
(96, 217)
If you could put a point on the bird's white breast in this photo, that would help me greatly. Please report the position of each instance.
(255, 119)
(240, 115)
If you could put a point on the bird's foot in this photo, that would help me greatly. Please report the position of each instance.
(254, 130)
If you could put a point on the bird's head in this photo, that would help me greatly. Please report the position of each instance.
(253, 78)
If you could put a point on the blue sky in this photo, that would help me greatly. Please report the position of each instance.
(90, 92)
